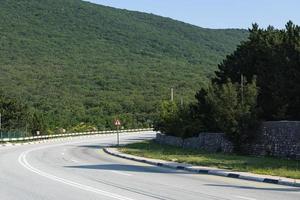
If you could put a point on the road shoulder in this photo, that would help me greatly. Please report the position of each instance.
(206, 170)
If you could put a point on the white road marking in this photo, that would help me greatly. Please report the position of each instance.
(121, 173)
(246, 198)
(75, 161)
(23, 161)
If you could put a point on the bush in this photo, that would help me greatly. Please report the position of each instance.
(14, 115)
(230, 108)
(177, 120)
(82, 127)
(36, 123)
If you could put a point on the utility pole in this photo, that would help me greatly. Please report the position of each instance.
(242, 89)
(172, 94)
(1, 125)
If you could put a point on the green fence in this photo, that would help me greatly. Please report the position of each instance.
(14, 134)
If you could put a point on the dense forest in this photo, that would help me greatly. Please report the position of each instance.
(75, 62)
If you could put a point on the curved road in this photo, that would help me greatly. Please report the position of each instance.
(77, 169)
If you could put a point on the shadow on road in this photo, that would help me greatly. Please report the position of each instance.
(128, 168)
(140, 139)
(94, 146)
(257, 188)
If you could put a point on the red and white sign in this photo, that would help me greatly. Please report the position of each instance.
(117, 122)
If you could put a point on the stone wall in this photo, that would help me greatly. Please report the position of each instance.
(277, 138)
(211, 142)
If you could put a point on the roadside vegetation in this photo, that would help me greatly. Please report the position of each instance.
(259, 165)
(260, 81)
(18, 120)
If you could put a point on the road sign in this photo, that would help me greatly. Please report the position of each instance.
(117, 122)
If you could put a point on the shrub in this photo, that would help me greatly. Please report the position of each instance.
(177, 120)
(230, 108)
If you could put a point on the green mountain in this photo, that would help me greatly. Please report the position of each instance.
(79, 62)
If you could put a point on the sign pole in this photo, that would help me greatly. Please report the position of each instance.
(118, 124)
(118, 136)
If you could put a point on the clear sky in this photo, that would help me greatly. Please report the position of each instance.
(217, 13)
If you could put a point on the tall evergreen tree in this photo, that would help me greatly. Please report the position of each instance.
(274, 57)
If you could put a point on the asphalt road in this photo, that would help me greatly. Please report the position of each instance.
(78, 169)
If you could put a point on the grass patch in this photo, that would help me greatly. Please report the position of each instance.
(259, 165)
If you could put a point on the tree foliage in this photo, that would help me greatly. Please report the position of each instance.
(18, 118)
(14, 115)
(36, 123)
(274, 57)
(235, 106)
(230, 108)
(233, 110)
(78, 62)
(177, 120)
(168, 116)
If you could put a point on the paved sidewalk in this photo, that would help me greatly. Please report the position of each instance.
(207, 170)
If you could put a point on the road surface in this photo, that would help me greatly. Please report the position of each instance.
(78, 169)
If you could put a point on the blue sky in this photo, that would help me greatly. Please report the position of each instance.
(217, 13)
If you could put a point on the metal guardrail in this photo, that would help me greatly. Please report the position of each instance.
(70, 134)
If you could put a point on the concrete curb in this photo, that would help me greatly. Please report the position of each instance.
(204, 170)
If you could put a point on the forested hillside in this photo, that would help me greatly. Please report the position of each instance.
(79, 62)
